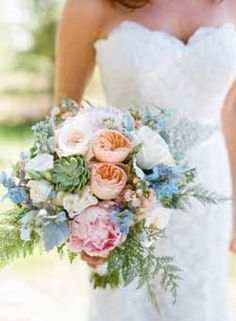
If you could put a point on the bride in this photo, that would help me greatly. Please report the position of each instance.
(179, 54)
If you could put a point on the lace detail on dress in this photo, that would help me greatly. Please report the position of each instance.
(140, 67)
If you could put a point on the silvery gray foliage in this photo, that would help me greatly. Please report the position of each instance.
(43, 134)
(55, 231)
(26, 227)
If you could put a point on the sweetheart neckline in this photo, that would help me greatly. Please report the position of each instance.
(135, 24)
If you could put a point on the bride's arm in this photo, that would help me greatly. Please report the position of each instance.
(79, 27)
(229, 126)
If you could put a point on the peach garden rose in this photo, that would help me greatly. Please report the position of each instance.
(111, 146)
(107, 180)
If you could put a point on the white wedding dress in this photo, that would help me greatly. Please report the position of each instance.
(140, 67)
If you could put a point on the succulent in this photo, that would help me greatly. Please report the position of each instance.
(70, 173)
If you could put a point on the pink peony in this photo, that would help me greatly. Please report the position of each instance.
(111, 146)
(93, 231)
(107, 180)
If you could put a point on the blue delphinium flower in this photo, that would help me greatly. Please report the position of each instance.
(164, 180)
(167, 189)
(6, 181)
(160, 173)
(123, 219)
(16, 194)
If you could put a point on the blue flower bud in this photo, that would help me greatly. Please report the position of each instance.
(17, 194)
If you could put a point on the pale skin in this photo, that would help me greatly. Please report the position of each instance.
(83, 22)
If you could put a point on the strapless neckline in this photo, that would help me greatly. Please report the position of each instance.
(141, 67)
(133, 24)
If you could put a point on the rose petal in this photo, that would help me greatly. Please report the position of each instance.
(111, 146)
(107, 180)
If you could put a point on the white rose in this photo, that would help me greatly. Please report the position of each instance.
(40, 163)
(154, 149)
(39, 190)
(158, 217)
(76, 203)
(73, 136)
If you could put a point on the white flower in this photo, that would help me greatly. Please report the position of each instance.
(76, 203)
(158, 217)
(154, 149)
(40, 163)
(39, 190)
(73, 136)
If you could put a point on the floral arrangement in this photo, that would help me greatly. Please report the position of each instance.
(100, 182)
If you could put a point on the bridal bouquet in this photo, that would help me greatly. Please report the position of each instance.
(100, 182)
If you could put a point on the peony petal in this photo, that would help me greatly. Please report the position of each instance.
(93, 232)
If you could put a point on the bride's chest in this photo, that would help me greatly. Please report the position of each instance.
(134, 53)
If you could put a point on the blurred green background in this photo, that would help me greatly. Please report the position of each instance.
(40, 288)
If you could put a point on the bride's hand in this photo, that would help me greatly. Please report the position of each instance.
(93, 261)
(233, 242)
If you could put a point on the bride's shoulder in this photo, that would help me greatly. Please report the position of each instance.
(232, 9)
(96, 10)
(89, 15)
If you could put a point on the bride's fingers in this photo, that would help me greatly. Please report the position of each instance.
(93, 261)
(233, 246)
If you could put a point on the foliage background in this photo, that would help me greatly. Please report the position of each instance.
(40, 288)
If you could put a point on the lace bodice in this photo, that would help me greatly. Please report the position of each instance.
(141, 66)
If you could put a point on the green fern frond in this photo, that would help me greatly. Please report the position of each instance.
(11, 245)
(133, 261)
(204, 195)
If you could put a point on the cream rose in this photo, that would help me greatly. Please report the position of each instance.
(73, 136)
(154, 149)
(39, 190)
(76, 203)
